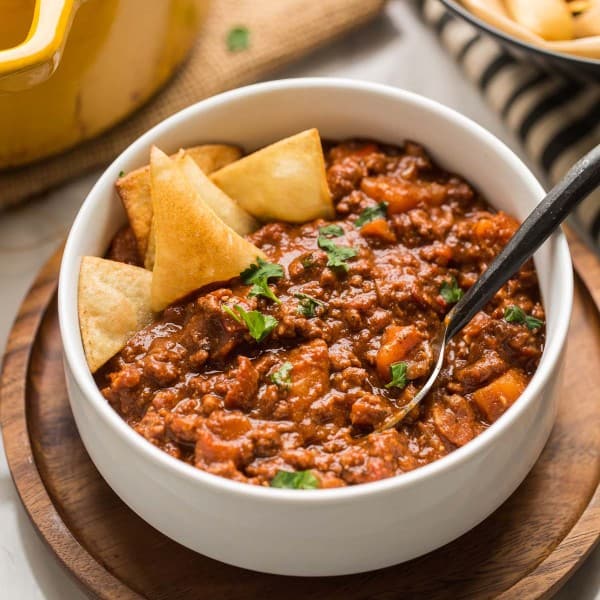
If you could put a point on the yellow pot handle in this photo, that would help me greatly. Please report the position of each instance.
(37, 57)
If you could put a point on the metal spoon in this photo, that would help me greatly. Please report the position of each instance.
(562, 199)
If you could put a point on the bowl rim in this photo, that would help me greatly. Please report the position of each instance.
(479, 23)
(77, 366)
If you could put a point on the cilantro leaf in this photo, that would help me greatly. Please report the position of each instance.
(532, 322)
(379, 211)
(121, 173)
(515, 314)
(331, 231)
(282, 376)
(450, 291)
(238, 38)
(259, 275)
(259, 325)
(308, 304)
(336, 255)
(398, 374)
(295, 480)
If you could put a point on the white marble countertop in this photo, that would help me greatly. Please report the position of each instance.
(396, 49)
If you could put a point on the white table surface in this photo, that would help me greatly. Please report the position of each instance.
(396, 49)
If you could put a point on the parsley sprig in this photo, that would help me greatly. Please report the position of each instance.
(515, 314)
(372, 213)
(259, 274)
(308, 304)
(295, 480)
(282, 377)
(450, 291)
(259, 325)
(336, 255)
(398, 373)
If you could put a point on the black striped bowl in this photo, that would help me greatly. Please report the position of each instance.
(567, 65)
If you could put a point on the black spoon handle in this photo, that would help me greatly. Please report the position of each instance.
(578, 183)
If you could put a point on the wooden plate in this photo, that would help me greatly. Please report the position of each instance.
(526, 549)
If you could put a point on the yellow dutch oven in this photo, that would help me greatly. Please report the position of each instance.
(69, 69)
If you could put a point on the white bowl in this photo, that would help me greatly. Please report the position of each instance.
(334, 531)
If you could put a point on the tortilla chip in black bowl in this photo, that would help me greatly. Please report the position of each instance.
(575, 58)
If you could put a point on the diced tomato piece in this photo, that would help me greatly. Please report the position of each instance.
(454, 419)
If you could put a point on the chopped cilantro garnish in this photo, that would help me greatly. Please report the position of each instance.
(238, 38)
(515, 314)
(336, 255)
(331, 231)
(259, 275)
(379, 211)
(282, 376)
(258, 324)
(450, 291)
(398, 374)
(121, 173)
(308, 304)
(295, 480)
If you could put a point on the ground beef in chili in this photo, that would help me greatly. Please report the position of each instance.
(123, 248)
(198, 386)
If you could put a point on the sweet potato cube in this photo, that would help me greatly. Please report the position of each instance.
(497, 396)
(396, 343)
(403, 195)
(379, 228)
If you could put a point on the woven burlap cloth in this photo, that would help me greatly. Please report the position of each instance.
(281, 32)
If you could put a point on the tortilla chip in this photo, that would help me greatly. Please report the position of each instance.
(194, 247)
(212, 157)
(225, 208)
(151, 249)
(284, 181)
(113, 305)
(495, 14)
(134, 188)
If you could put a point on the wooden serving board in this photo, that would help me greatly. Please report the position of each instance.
(526, 549)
